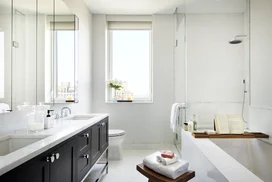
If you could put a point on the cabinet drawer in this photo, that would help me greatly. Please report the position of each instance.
(83, 142)
(83, 164)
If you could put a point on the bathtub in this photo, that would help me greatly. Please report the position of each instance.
(222, 160)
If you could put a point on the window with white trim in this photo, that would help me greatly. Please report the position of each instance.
(130, 59)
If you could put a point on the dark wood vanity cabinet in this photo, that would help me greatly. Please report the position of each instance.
(36, 170)
(57, 165)
(63, 169)
(69, 161)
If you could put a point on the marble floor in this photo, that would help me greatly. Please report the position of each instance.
(125, 170)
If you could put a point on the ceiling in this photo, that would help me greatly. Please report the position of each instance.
(29, 6)
(133, 7)
(147, 7)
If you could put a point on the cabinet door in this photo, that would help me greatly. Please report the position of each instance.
(36, 170)
(63, 169)
(95, 142)
(104, 131)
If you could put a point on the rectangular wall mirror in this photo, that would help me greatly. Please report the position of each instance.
(5, 56)
(38, 53)
(58, 67)
(24, 53)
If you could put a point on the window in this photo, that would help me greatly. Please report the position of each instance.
(2, 65)
(130, 55)
(65, 64)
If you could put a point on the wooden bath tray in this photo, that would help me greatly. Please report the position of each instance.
(245, 135)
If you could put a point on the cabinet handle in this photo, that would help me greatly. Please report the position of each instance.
(86, 156)
(86, 135)
(57, 156)
(50, 159)
(103, 124)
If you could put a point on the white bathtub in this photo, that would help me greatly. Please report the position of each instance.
(227, 159)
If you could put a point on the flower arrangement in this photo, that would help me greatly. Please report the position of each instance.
(115, 84)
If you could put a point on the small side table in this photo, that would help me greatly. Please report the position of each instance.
(155, 177)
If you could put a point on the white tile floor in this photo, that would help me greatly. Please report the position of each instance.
(125, 170)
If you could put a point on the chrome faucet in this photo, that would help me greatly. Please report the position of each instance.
(65, 113)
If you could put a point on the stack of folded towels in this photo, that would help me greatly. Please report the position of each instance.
(167, 164)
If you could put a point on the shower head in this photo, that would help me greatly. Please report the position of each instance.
(236, 40)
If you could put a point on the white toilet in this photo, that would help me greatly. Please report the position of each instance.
(116, 138)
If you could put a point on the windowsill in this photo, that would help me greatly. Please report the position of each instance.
(133, 102)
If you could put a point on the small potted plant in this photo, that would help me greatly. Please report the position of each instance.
(115, 84)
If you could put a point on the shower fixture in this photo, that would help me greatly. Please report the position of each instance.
(236, 40)
(244, 99)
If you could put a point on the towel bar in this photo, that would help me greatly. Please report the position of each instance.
(155, 177)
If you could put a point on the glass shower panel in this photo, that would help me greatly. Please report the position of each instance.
(214, 68)
(180, 71)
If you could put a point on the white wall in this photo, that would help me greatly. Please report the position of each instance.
(143, 123)
(215, 68)
(260, 110)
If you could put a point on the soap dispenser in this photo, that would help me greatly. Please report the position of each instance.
(49, 121)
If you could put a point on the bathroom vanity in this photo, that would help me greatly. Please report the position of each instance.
(67, 154)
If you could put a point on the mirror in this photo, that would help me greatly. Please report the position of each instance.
(5, 56)
(24, 53)
(38, 53)
(58, 33)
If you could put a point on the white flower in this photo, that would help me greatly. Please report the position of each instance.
(115, 82)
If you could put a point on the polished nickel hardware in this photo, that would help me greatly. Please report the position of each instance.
(65, 113)
(57, 156)
(50, 159)
(86, 156)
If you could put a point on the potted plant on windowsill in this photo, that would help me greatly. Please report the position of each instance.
(115, 84)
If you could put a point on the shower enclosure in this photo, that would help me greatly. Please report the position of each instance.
(210, 72)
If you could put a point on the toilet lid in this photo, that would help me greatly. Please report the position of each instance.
(113, 133)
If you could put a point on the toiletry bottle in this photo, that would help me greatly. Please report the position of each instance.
(195, 123)
(48, 122)
(186, 126)
(190, 126)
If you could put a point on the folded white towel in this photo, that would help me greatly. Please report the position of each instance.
(172, 171)
(167, 161)
(4, 107)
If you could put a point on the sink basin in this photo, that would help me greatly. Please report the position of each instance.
(81, 117)
(11, 143)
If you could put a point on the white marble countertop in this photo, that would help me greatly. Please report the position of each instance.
(62, 131)
(231, 169)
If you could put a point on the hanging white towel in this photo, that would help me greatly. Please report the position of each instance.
(4, 107)
(175, 115)
(172, 171)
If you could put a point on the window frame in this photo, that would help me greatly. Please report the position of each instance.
(109, 68)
